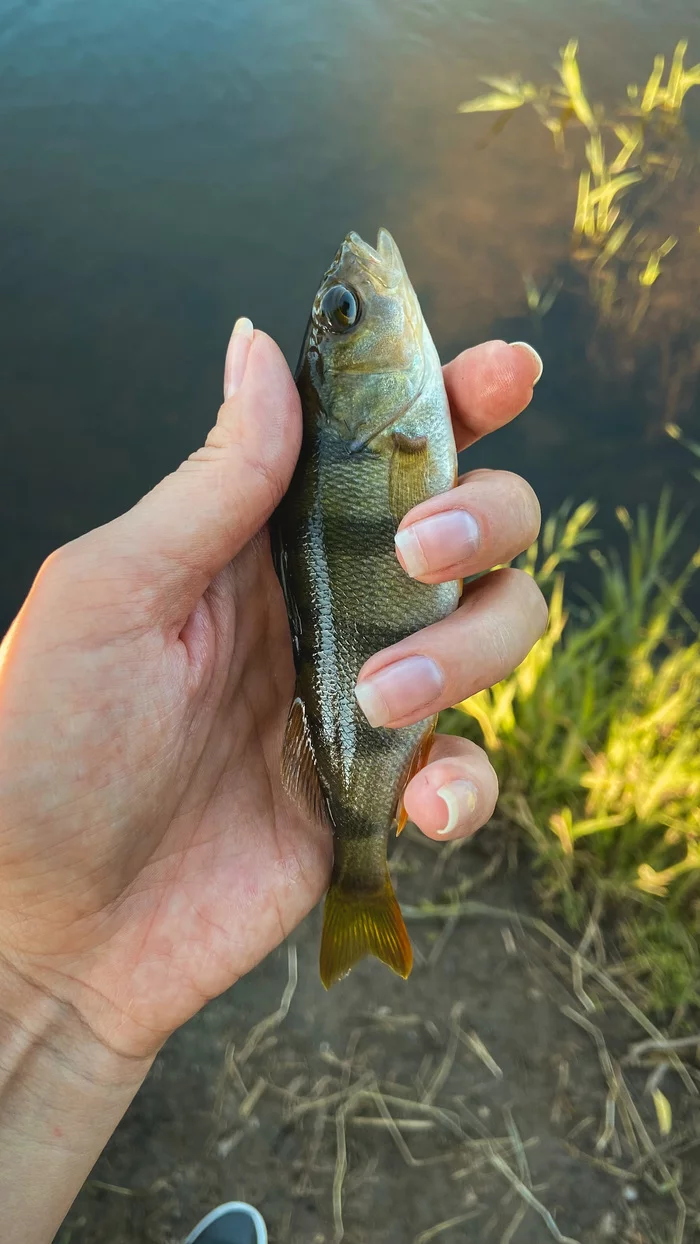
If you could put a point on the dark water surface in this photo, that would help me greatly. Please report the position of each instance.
(166, 167)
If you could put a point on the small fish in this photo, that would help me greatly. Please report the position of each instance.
(377, 439)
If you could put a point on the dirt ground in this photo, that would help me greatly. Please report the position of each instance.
(492, 1097)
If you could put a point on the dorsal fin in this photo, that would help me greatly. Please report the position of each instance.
(299, 772)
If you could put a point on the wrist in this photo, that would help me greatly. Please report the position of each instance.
(41, 1030)
(62, 1093)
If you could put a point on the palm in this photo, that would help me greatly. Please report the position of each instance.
(235, 841)
(151, 901)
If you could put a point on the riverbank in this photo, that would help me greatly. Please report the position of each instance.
(495, 1095)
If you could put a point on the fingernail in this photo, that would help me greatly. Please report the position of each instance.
(399, 690)
(525, 345)
(437, 542)
(460, 798)
(237, 355)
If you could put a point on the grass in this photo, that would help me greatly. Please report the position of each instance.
(627, 162)
(596, 737)
(596, 741)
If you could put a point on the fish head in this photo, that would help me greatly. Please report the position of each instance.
(363, 354)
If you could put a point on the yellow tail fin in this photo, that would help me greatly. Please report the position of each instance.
(355, 925)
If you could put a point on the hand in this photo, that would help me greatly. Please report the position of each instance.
(148, 854)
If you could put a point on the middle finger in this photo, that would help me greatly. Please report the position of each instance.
(499, 619)
(488, 519)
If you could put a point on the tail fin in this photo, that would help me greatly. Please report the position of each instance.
(355, 925)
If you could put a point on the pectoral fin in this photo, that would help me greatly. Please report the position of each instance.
(299, 772)
(409, 480)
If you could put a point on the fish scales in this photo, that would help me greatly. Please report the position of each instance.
(377, 440)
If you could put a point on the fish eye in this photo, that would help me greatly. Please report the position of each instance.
(340, 308)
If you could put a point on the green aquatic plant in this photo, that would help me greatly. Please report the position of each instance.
(596, 741)
(676, 434)
(540, 301)
(631, 156)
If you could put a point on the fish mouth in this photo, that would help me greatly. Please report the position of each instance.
(382, 263)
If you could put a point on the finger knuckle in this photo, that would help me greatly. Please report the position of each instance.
(492, 775)
(527, 595)
(528, 508)
(491, 793)
(511, 493)
(487, 776)
(537, 605)
(524, 505)
(58, 568)
(271, 477)
(52, 567)
(477, 475)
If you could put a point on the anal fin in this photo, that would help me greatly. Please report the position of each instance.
(418, 762)
(299, 773)
(355, 925)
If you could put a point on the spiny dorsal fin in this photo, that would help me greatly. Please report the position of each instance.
(299, 772)
(408, 474)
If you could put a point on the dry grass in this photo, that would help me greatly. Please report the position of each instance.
(339, 1098)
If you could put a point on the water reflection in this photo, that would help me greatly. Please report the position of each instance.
(165, 168)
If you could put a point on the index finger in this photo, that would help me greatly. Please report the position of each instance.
(489, 385)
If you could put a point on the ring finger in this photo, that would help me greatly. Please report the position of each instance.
(455, 793)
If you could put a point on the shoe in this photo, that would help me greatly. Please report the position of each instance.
(232, 1223)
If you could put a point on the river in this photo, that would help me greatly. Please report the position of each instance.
(166, 166)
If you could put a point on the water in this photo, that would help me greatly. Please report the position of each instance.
(166, 167)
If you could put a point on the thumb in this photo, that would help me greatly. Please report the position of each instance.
(196, 520)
